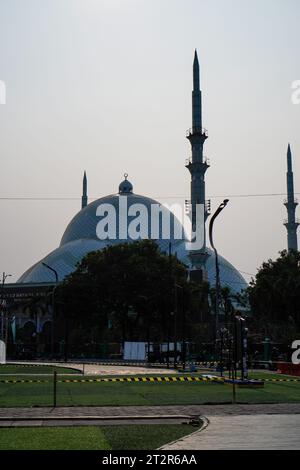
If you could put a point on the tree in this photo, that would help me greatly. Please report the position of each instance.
(122, 291)
(274, 296)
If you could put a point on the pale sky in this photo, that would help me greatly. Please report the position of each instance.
(105, 86)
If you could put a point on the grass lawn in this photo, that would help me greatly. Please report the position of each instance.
(92, 437)
(143, 393)
(24, 369)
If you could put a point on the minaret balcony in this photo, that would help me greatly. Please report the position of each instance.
(205, 161)
(295, 201)
(196, 131)
(286, 222)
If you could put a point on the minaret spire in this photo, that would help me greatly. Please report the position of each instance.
(196, 95)
(84, 199)
(196, 74)
(197, 163)
(290, 203)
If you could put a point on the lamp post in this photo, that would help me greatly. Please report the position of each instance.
(4, 277)
(53, 306)
(169, 313)
(183, 330)
(218, 285)
(223, 332)
(245, 347)
(243, 332)
(183, 345)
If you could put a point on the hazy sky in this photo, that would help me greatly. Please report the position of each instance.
(105, 86)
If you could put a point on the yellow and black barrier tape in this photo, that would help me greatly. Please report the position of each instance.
(169, 379)
(280, 380)
(158, 379)
(18, 364)
(53, 366)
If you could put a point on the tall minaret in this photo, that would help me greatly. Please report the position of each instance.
(291, 223)
(197, 164)
(84, 199)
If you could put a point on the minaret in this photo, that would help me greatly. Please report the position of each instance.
(197, 164)
(84, 199)
(290, 203)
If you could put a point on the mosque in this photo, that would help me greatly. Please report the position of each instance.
(80, 236)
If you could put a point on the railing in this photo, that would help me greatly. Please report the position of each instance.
(286, 201)
(286, 221)
(196, 130)
(206, 161)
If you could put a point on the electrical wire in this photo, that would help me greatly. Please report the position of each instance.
(63, 198)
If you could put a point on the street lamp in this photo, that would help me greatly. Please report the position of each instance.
(218, 285)
(223, 332)
(243, 338)
(183, 345)
(53, 306)
(4, 277)
(53, 270)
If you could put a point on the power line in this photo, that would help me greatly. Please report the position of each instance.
(64, 198)
(23, 198)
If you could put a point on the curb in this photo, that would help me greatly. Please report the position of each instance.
(59, 366)
(98, 418)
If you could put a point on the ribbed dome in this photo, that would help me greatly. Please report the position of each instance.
(84, 224)
(65, 258)
(80, 238)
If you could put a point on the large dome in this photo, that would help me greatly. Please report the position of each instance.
(84, 224)
(63, 260)
(81, 237)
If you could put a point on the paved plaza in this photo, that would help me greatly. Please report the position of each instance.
(99, 369)
(228, 426)
(255, 432)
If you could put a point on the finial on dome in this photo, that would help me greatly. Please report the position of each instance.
(125, 187)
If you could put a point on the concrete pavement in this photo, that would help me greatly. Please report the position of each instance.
(100, 369)
(241, 432)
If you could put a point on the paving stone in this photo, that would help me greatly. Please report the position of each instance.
(193, 410)
(256, 432)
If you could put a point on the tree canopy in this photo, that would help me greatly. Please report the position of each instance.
(274, 294)
(124, 290)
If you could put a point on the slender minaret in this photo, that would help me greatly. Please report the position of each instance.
(84, 199)
(197, 164)
(291, 223)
